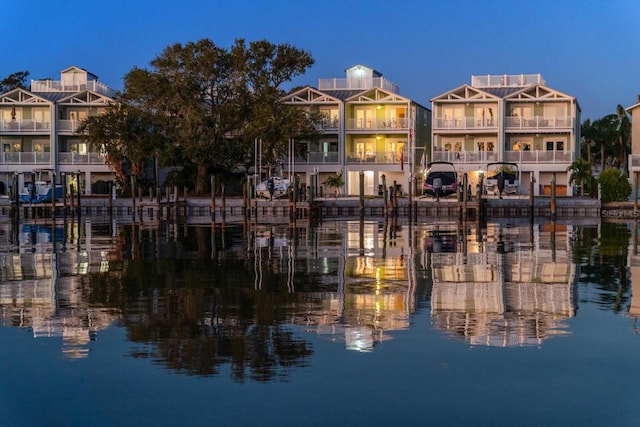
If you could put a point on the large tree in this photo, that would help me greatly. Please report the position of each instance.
(216, 101)
(13, 81)
(130, 137)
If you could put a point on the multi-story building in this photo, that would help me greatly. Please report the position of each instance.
(368, 127)
(634, 158)
(38, 132)
(508, 118)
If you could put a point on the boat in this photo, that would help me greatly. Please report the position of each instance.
(273, 187)
(40, 192)
(441, 179)
(502, 178)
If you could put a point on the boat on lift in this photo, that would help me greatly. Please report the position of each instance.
(40, 192)
(502, 178)
(273, 187)
(441, 179)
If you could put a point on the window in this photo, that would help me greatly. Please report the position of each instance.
(521, 145)
(549, 145)
(365, 118)
(453, 116)
(484, 116)
(559, 145)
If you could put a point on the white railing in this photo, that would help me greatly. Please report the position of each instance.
(25, 158)
(24, 125)
(509, 156)
(465, 123)
(538, 157)
(320, 157)
(380, 157)
(505, 80)
(465, 156)
(537, 122)
(57, 86)
(378, 124)
(355, 84)
(91, 158)
(68, 125)
(329, 124)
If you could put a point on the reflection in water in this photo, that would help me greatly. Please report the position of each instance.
(196, 299)
(504, 291)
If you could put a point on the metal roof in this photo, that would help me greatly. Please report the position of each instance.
(343, 94)
(54, 96)
(502, 92)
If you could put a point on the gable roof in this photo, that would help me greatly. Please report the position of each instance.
(22, 96)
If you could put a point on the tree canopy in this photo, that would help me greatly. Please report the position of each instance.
(13, 81)
(211, 103)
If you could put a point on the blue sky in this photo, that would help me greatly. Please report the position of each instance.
(586, 48)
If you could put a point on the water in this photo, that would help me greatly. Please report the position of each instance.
(347, 323)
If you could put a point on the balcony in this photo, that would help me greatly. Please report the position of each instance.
(329, 125)
(358, 84)
(68, 125)
(58, 86)
(465, 157)
(72, 158)
(538, 157)
(507, 80)
(465, 123)
(380, 157)
(318, 158)
(25, 158)
(383, 125)
(24, 126)
(514, 123)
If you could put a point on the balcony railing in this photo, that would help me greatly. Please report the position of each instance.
(537, 122)
(24, 125)
(355, 84)
(380, 157)
(538, 156)
(91, 158)
(58, 86)
(465, 123)
(465, 156)
(320, 157)
(505, 80)
(378, 124)
(25, 158)
(509, 156)
(68, 125)
(328, 124)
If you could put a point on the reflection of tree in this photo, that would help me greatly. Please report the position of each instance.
(195, 316)
(602, 255)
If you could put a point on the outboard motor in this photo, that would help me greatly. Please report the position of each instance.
(437, 187)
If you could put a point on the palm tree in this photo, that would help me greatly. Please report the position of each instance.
(580, 173)
(623, 131)
(335, 181)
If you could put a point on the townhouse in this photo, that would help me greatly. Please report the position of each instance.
(369, 129)
(634, 157)
(38, 133)
(508, 118)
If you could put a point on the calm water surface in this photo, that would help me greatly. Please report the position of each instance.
(344, 323)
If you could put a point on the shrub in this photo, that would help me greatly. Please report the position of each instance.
(614, 185)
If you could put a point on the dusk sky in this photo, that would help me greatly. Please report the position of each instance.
(589, 49)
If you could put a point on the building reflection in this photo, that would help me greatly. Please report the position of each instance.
(41, 286)
(505, 288)
(366, 276)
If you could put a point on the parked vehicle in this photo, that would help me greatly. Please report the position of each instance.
(441, 179)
